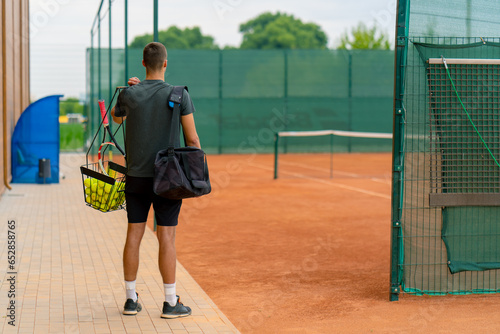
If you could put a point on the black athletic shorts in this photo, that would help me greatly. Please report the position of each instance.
(139, 195)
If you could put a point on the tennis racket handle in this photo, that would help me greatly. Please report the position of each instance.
(104, 115)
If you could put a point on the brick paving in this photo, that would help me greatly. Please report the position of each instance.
(68, 267)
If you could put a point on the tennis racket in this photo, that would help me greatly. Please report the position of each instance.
(105, 143)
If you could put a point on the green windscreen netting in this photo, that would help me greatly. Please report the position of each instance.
(243, 96)
(471, 235)
(450, 147)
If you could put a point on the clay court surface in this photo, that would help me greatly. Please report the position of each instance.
(310, 254)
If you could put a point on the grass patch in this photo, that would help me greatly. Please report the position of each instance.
(71, 136)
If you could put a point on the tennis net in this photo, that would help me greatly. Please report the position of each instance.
(331, 133)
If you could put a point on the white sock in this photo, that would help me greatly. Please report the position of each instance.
(130, 290)
(170, 295)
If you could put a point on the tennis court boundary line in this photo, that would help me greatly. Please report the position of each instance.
(331, 183)
(319, 169)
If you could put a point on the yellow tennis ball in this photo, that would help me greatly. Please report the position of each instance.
(120, 200)
(113, 204)
(87, 191)
(87, 182)
(88, 199)
(120, 185)
(100, 191)
(93, 187)
(105, 198)
(107, 188)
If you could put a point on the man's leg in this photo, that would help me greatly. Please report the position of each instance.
(135, 232)
(167, 256)
(167, 215)
(172, 307)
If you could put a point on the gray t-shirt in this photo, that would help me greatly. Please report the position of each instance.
(147, 127)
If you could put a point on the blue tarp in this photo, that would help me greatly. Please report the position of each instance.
(36, 137)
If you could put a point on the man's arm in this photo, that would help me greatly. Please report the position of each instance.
(189, 129)
(118, 120)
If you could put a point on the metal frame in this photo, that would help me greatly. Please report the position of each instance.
(464, 61)
(461, 174)
(397, 146)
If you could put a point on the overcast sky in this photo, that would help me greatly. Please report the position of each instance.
(60, 29)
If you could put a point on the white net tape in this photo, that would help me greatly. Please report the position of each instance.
(374, 135)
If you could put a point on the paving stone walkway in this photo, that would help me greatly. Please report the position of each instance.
(67, 273)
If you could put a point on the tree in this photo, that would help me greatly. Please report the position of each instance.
(71, 105)
(175, 38)
(362, 37)
(281, 31)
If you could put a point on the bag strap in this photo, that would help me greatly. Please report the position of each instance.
(174, 102)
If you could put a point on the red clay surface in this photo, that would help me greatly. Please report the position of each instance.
(310, 254)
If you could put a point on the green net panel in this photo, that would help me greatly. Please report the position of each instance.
(450, 178)
(464, 125)
(243, 97)
(446, 209)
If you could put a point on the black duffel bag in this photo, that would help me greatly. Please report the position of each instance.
(180, 172)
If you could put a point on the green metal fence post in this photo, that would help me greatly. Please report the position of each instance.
(285, 93)
(397, 146)
(155, 20)
(99, 54)
(349, 95)
(99, 76)
(468, 20)
(276, 150)
(110, 72)
(126, 41)
(331, 156)
(220, 100)
(97, 19)
(90, 111)
(110, 59)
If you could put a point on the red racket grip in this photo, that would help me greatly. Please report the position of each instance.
(104, 115)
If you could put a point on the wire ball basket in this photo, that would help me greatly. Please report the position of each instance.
(104, 180)
(103, 192)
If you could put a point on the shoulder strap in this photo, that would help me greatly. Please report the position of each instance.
(174, 101)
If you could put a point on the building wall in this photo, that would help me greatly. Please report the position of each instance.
(14, 71)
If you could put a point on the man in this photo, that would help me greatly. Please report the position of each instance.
(147, 131)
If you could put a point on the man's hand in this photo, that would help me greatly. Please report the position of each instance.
(133, 81)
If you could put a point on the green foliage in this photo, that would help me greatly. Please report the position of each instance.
(281, 31)
(71, 136)
(70, 106)
(362, 37)
(175, 38)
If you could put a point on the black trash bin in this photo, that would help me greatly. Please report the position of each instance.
(44, 170)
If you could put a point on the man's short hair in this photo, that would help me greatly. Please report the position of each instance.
(154, 54)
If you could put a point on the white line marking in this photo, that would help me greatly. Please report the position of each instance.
(302, 176)
(319, 169)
